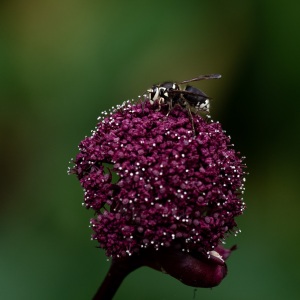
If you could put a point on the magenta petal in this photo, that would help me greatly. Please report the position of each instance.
(225, 253)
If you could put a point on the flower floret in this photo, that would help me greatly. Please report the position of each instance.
(172, 186)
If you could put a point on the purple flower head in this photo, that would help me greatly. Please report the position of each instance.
(155, 185)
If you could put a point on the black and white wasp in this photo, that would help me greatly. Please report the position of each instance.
(188, 97)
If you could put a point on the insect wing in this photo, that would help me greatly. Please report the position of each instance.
(202, 77)
(191, 94)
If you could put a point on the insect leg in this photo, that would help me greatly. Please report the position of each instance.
(191, 119)
(143, 103)
(170, 107)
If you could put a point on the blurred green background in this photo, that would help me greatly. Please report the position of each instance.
(62, 62)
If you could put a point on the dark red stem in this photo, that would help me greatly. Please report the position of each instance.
(193, 269)
(119, 269)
